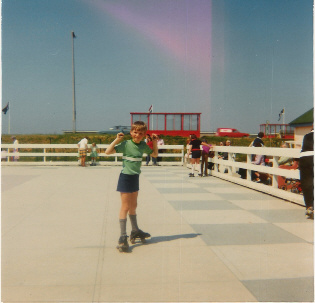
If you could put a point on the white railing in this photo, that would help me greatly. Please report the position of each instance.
(47, 154)
(274, 154)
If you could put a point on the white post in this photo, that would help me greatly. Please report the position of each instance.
(249, 160)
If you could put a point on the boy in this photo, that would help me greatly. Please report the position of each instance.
(128, 183)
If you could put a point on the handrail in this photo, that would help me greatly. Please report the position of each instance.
(51, 150)
(274, 171)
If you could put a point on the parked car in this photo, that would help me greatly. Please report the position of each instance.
(117, 129)
(230, 132)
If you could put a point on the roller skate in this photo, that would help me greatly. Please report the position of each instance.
(123, 245)
(138, 234)
(310, 213)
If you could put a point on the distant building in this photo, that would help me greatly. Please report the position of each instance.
(302, 125)
(171, 124)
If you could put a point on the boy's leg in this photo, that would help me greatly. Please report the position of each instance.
(128, 205)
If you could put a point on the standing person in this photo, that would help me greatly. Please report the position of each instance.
(15, 149)
(220, 154)
(307, 173)
(128, 183)
(83, 146)
(93, 154)
(160, 142)
(226, 154)
(204, 158)
(259, 160)
(195, 151)
(149, 142)
(186, 157)
(258, 139)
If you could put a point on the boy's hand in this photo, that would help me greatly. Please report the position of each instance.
(120, 136)
(154, 137)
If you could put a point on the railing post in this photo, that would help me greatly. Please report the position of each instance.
(44, 158)
(216, 165)
(229, 167)
(275, 177)
(248, 171)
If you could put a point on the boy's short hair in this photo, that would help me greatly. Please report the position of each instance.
(139, 126)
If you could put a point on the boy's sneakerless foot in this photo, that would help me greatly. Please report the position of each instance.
(191, 175)
(123, 245)
(139, 234)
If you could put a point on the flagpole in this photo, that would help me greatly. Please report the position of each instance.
(9, 117)
(73, 87)
(152, 118)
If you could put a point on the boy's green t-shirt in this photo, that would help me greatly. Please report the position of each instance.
(132, 155)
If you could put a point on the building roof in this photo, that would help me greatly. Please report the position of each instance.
(305, 119)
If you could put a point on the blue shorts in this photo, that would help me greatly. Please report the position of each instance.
(128, 183)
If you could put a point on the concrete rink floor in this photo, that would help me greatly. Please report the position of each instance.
(212, 240)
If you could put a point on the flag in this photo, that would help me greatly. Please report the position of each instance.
(151, 109)
(6, 108)
(73, 35)
(281, 113)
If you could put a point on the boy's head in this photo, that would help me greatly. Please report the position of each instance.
(139, 126)
(138, 131)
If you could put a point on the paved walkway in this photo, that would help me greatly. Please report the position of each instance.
(212, 241)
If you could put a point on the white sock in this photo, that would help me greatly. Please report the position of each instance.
(193, 169)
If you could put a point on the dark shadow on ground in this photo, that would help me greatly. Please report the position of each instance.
(152, 240)
(155, 240)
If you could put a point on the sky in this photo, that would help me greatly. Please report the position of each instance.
(237, 62)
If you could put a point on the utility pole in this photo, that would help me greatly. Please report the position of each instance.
(73, 86)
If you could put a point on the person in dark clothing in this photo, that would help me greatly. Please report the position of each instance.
(307, 173)
(258, 139)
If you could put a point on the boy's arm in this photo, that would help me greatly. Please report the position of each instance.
(155, 148)
(111, 148)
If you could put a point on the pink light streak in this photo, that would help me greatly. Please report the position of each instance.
(181, 29)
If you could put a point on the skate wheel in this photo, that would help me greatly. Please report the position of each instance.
(132, 241)
(143, 240)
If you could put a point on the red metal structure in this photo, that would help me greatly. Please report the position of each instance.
(284, 131)
(170, 124)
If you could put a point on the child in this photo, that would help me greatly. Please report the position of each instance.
(93, 154)
(128, 183)
(194, 150)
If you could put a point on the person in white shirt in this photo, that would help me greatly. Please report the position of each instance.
(15, 149)
(83, 146)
